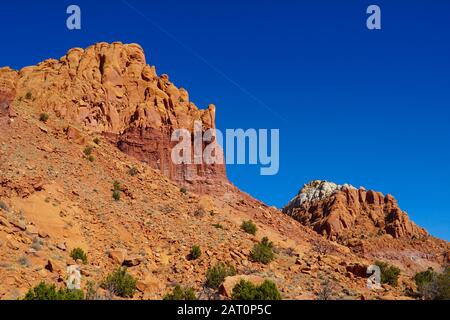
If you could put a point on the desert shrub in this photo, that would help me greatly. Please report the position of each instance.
(389, 274)
(249, 227)
(116, 195)
(434, 286)
(322, 247)
(121, 283)
(116, 185)
(37, 244)
(88, 151)
(196, 252)
(326, 291)
(92, 291)
(45, 291)
(218, 226)
(3, 206)
(246, 290)
(24, 261)
(424, 277)
(79, 253)
(263, 251)
(28, 95)
(217, 274)
(43, 117)
(97, 140)
(116, 190)
(183, 190)
(91, 158)
(179, 293)
(133, 171)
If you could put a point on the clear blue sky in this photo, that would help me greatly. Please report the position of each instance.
(370, 108)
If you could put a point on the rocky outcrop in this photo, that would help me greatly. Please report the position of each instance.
(110, 89)
(7, 90)
(344, 212)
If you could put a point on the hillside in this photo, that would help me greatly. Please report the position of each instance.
(110, 117)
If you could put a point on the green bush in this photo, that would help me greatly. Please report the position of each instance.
(218, 226)
(217, 274)
(116, 185)
(249, 227)
(3, 206)
(432, 285)
(246, 290)
(91, 158)
(180, 293)
(389, 274)
(424, 277)
(116, 190)
(263, 252)
(97, 141)
(45, 291)
(78, 253)
(88, 151)
(120, 283)
(133, 171)
(28, 95)
(183, 190)
(116, 195)
(196, 252)
(43, 117)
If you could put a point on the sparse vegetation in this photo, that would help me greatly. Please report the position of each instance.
(263, 251)
(28, 95)
(37, 244)
(389, 274)
(133, 171)
(43, 117)
(196, 252)
(217, 274)
(321, 247)
(246, 290)
(424, 277)
(432, 285)
(44, 291)
(92, 291)
(88, 151)
(249, 227)
(326, 291)
(79, 254)
(3, 206)
(97, 140)
(218, 226)
(116, 190)
(91, 158)
(24, 261)
(179, 293)
(120, 283)
(116, 195)
(183, 190)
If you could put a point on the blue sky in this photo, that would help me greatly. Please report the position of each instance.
(370, 108)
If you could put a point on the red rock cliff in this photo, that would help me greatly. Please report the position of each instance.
(343, 212)
(110, 89)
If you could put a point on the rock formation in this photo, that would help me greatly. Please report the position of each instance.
(343, 212)
(110, 89)
(7, 91)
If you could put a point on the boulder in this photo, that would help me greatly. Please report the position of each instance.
(226, 289)
(118, 255)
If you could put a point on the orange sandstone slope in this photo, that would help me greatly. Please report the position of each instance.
(371, 224)
(56, 194)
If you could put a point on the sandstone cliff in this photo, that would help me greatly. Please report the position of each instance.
(110, 89)
(343, 212)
